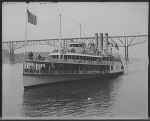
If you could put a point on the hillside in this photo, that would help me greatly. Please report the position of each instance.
(5, 56)
(19, 56)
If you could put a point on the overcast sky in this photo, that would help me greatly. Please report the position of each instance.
(114, 18)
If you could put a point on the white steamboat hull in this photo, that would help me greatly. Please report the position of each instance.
(32, 80)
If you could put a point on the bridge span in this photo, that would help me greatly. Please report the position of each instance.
(122, 41)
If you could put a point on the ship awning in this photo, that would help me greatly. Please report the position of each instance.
(77, 54)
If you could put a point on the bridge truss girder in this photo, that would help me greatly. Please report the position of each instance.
(122, 41)
(127, 41)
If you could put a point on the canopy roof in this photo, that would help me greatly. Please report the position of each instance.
(77, 54)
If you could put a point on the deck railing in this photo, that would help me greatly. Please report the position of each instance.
(57, 72)
(46, 59)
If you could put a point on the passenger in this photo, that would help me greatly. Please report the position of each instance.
(31, 55)
(39, 57)
(31, 69)
(42, 69)
(122, 67)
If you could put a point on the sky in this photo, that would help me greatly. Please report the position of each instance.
(114, 18)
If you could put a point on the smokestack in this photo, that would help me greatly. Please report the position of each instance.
(96, 41)
(64, 43)
(106, 44)
(101, 42)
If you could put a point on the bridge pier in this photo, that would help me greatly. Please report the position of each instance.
(126, 51)
(12, 55)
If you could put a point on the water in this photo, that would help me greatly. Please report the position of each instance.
(125, 96)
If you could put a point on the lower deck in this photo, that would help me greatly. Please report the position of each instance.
(43, 73)
(33, 68)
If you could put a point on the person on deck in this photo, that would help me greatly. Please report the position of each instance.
(42, 69)
(31, 69)
(39, 57)
(31, 55)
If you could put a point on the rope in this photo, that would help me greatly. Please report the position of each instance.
(70, 19)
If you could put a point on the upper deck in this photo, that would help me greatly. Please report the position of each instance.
(75, 58)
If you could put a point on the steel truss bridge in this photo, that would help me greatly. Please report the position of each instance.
(122, 41)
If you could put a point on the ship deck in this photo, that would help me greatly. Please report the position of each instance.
(69, 61)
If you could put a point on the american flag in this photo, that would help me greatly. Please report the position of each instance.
(31, 18)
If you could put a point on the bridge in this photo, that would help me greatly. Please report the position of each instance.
(122, 41)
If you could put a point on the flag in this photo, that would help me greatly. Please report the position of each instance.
(32, 18)
(116, 46)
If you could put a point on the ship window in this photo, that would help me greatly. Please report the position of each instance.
(79, 45)
(65, 56)
(69, 56)
(108, 67)
(111, 59)
(61, 56)
(104, 59)
(73, 57)
(75, 45)
(118, 60)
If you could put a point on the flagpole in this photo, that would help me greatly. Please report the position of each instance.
(60, 37)
(25, 36)
(80, 32)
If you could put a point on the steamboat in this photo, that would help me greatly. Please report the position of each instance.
(74, 63)
(78, 61)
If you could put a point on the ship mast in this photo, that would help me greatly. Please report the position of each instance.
(80, 32)
(60, 31)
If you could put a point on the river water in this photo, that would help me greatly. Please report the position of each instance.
(121, 97)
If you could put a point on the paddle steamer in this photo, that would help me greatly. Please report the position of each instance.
(78, 61)
(73, 63)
